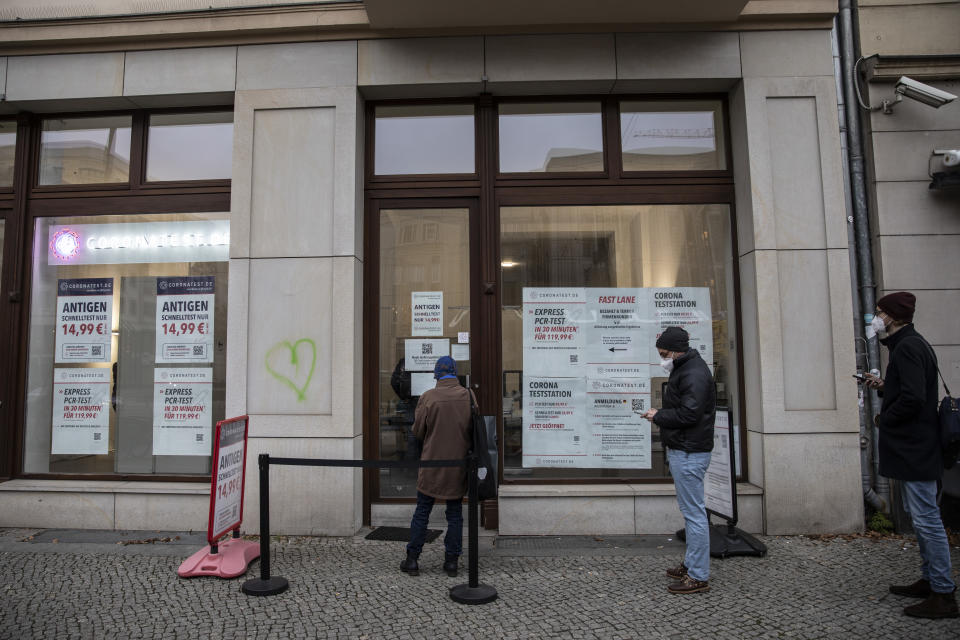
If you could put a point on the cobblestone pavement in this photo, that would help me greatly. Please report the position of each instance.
(352, 588)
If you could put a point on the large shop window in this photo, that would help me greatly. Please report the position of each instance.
(127, 348)
(586, 291)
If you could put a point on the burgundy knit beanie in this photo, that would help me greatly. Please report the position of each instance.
(899, 306)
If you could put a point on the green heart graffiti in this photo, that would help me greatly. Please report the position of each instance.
(295, 360)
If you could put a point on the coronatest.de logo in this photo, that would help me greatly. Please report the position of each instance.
(65, 244)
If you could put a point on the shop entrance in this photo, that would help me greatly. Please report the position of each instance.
(426, 308)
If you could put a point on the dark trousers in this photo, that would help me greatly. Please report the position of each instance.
(453, 541)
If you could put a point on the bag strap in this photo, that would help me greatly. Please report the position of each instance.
(935, 363)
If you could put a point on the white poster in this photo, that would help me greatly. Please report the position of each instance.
(422, 355)
(460, 352)
(553, 421)
(602, 340)
(426, 313)
(553, 336)
(229, 473)
(81, 411)
(185, 319)
(618, 337)
(617, 435)
(84, 320)
(687, 307)
(420, 383)
(182, 412)
(718, 481)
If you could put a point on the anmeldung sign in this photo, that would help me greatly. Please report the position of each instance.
(81, 411)
(185, 308)
(182, 411)
(227, 482)
(84, 320)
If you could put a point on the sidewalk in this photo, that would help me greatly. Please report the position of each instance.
(74, 584)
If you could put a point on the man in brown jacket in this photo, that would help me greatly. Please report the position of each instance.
(442, 422)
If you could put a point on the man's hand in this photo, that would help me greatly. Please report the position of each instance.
(649, 414)
(872, 381)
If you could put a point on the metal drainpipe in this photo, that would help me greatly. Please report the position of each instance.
(876, 488)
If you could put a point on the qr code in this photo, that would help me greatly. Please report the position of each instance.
(638, 404)
(96, 350)
(199, 437)
(198, 350)
(97, 436)
(426, 349)
(576, 438)
(574, 359)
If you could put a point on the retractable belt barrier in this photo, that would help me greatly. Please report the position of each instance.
(266, 585)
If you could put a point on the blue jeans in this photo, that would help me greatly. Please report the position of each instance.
(920, 501)
(688, 470)
(453, 541)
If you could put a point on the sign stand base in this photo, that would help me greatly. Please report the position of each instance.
(727, 541)
(268, 587)
(231, 560)
(480, 594)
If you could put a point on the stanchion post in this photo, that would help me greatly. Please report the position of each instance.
(473, 592)
(265, 585)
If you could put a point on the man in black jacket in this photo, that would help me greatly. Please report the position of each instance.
(910, 448)
(686, 430)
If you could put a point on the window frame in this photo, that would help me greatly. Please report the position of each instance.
(494, 190)
(27, 202)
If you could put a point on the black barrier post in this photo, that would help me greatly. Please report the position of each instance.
(265, 585)
(473, 592)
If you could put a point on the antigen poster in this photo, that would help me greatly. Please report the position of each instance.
(81, 411)
(588, 358)
(185, 319)
(84, 320)
(182, 412)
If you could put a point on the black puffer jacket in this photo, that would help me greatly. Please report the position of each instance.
(689, 406)
(909, 427)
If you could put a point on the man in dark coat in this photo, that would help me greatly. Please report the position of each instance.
(686, 430)
(909, 448)
(442, 422)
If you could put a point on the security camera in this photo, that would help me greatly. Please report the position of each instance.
(924, 93)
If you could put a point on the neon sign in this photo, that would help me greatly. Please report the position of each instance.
(140, 242)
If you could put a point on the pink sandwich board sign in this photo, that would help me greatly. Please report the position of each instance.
(230, 558)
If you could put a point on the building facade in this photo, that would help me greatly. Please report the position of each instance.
(287, 211)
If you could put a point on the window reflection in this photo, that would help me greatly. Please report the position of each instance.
(85, 150)
(555, 137)
(190, 146)
(424, 139)
(617, 247)
(8, 148)
(424, 260)
(672, 136)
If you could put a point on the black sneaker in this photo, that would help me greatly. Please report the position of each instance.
(450, 564)
(919, 589)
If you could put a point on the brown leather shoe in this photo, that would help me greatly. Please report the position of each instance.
(938, 605)
(686, 584)
(919, 589)
(677, 572)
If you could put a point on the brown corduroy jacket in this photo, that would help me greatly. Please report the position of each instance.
(442, 423)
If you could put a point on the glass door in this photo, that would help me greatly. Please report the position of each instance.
(423, 311)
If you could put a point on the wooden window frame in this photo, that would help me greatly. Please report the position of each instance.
(27, 202)
(494, 190)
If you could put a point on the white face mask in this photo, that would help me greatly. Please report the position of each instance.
(667, 364)
(878, 325)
